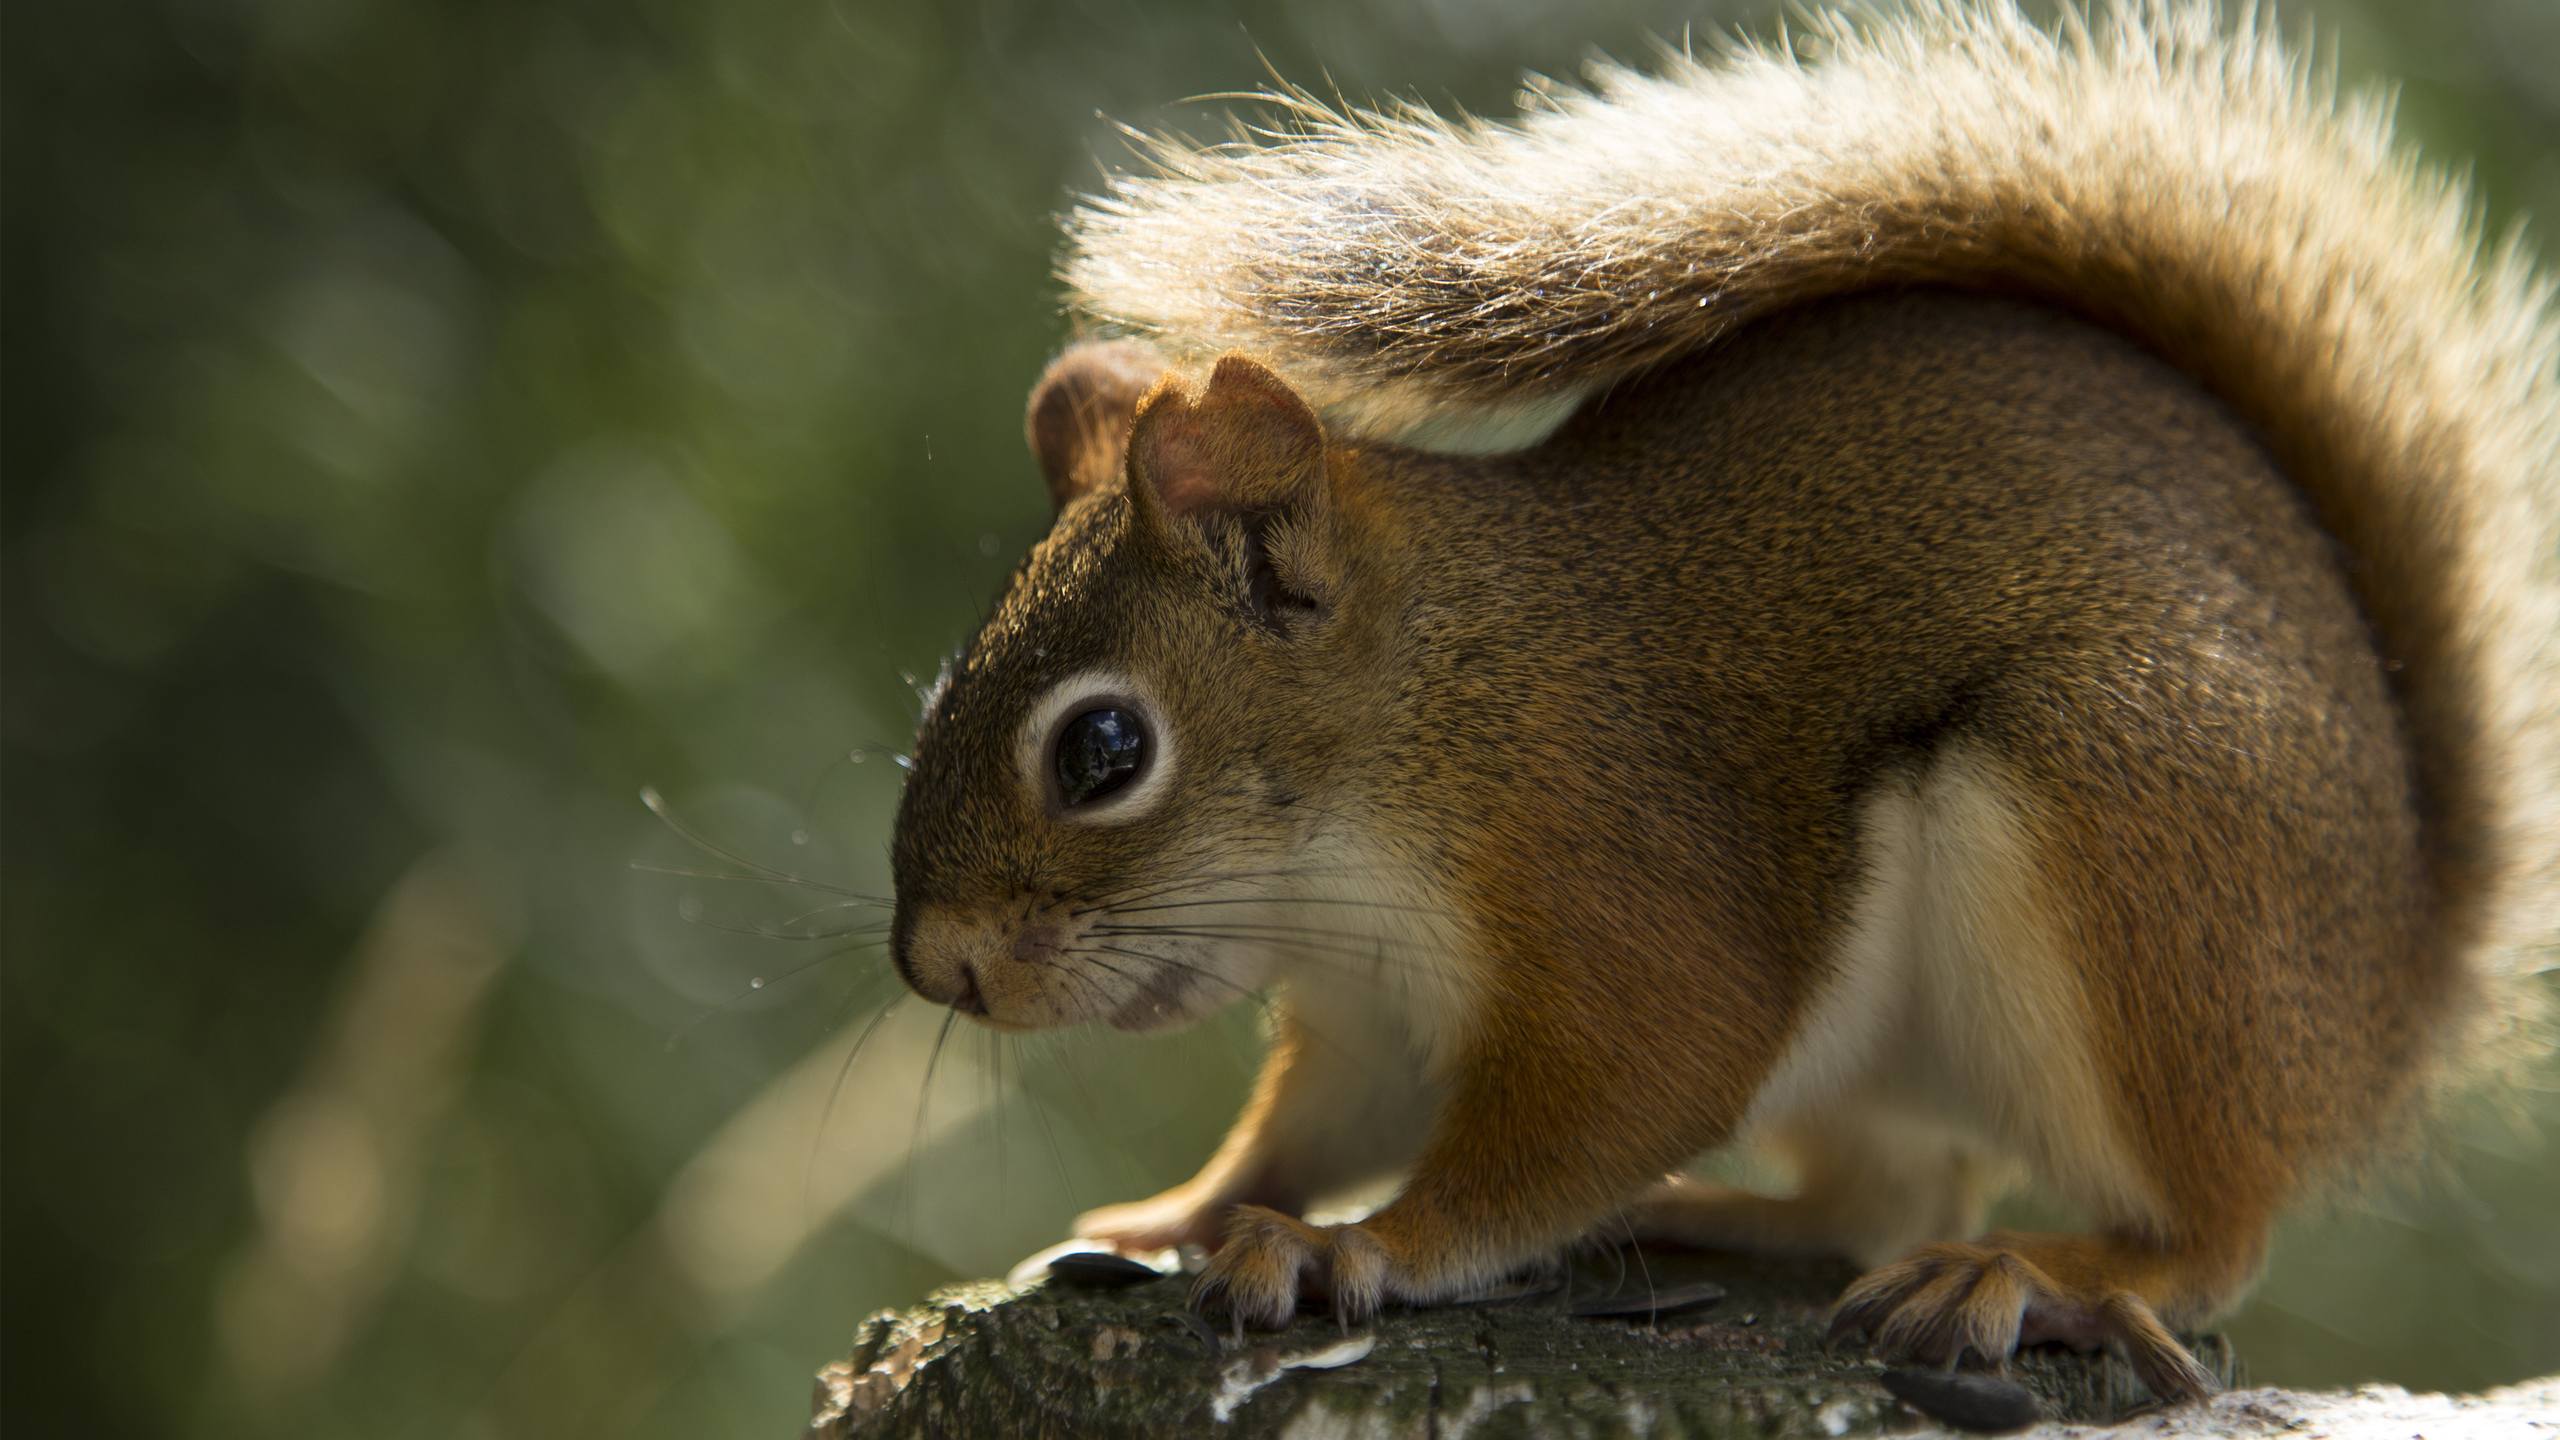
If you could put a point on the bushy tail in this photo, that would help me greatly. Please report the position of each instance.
(2189, 183)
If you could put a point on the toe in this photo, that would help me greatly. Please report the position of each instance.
(1921, 1325)
(1875, 1295)
(1358, 1277)
(1256, 1286)
(1987, 1319)
(2164, 1365)
(1255, 1275)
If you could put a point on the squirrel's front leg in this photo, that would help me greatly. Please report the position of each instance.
(1338, 1102)
(1524, 1159)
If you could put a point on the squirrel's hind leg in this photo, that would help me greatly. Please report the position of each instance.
(1869, 1186)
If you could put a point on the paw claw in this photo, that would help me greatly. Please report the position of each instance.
(2166, 1367)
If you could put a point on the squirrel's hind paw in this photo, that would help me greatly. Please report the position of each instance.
(1944, 1300)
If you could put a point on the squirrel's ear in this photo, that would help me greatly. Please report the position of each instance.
(1078, 420)
(1244, 442)
(1241, 459)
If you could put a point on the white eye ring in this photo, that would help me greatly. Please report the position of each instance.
(1036, 745)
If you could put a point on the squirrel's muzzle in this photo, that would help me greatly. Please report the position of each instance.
(1016, 963)
(999, 964)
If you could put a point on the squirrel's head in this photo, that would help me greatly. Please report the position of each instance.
(1137, 742)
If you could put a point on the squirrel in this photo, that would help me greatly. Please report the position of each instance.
(1969, 608)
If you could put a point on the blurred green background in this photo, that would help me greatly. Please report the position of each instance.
(426, 425)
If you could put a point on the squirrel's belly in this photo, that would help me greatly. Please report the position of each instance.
(1954, 1006)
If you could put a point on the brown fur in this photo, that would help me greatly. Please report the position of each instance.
(2201, 190)
(1556, 789)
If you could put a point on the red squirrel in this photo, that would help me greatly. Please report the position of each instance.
(1976, 608)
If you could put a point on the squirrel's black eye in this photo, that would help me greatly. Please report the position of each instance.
(1098, 752)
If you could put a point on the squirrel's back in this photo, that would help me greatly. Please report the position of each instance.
(1469, 284)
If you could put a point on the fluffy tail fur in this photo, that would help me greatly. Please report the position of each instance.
(1465, 284)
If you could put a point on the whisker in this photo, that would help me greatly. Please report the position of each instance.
(995, 1085)
(924, 1098)
(1297, 1019)
(1157, 886)
(1366, 942)
(1251, 927)
(1652, 1307)
(760, 983)
(1343, 901)
(1085, 1107)
(1260, 885)
(855, 756)
(1090, 953)
(1057, 1156)
(678, 870)
(658, 806)
(1102, 1003)
(835, 1092)
(815, 912)
(1375, 953)
(874, 930)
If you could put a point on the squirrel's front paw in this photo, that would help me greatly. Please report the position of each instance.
(1270, 1260)
(1163, 1222)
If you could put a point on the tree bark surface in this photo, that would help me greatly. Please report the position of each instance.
(1055, 1359)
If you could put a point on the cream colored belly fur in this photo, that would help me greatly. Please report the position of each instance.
(1949, 1048)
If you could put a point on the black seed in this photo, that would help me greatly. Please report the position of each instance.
(1966, 1399)
(1509, 1291)
(1101, 1270)
(1199, 1328)
(1634, 1299)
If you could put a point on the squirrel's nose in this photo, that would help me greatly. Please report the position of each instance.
(969, 1001)
(938, 955)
